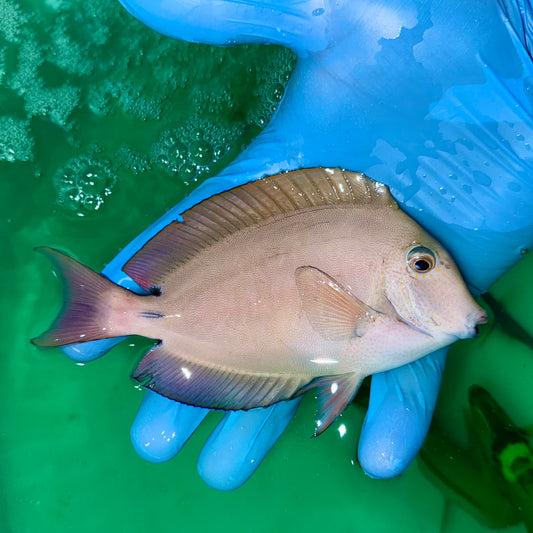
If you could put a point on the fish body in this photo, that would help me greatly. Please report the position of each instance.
(309, 279)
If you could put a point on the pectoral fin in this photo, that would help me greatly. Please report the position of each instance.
(333, 311)
(334, 393)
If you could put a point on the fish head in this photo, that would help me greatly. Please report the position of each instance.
(427, 291)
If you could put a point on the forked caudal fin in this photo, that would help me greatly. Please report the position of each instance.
(90, 302)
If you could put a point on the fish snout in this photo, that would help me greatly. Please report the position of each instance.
(473, 319)
(482, 317)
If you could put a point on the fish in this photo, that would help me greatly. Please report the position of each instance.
(306, 280)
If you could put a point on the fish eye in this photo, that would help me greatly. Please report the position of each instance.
(421, 260)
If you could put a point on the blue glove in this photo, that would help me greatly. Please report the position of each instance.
(432, 98)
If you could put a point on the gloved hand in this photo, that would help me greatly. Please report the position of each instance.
(432, 98)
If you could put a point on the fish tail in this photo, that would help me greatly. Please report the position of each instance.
(90, 304)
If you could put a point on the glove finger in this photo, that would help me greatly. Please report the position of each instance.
(295, 24)
(402, 402)
(240, 442)
(89, 351)
(163, 426)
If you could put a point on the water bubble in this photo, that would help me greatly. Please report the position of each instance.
(215, 102)
(129, 158)
(16, 143)
(169, 153)
(319, 11)
(272, 77)
(55, 5)
(83, 184)
(25, 80)
(187, 173)
(69, 198)
(67, 54)
(133, 101)
(92, 181)
(275, 92)
(66, 180)
(179, 151)
(187, 152)
(3, 54)
(284, 77)
(219, 152)
(99, 100)
(201, 152)
(162, 160)
(92, 202)
(13, 21)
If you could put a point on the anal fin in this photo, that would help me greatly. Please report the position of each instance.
(213, 387)
(334, 393)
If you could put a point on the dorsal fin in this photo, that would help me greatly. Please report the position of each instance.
(248, 205)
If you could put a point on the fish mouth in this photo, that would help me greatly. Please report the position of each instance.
(472, 322)
(469, 333)
(404, 320)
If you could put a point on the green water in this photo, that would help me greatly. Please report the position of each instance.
(104, 125)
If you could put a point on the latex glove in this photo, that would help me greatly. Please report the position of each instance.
(431, 98)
